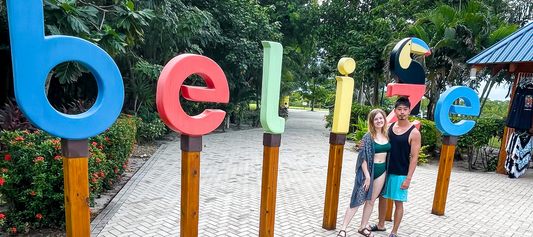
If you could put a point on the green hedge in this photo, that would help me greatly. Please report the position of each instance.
(429, 132)
(32, 172)
(483, 131)
(358, 111)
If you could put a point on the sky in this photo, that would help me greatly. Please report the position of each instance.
(497, 92)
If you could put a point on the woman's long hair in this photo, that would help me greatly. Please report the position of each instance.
(372, 128)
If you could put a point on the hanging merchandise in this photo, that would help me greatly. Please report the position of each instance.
(521, 112)
(518, 151)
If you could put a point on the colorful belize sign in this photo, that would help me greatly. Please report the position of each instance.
(410, 76)
(35, 54)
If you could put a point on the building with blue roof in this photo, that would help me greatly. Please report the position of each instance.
(514, 53)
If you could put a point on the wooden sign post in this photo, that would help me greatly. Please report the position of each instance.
(191, 146)
(76, 186)
(271, 143)
(451, 132)
(331, 205)
(274, 126)
(443, 178)
(388, 214)
(337, 138)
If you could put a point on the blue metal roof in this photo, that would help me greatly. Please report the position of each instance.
(517, 47)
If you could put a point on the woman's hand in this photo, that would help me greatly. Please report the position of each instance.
(366, 185)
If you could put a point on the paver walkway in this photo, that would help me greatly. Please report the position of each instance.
(479, 204)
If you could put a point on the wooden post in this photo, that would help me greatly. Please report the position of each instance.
(269, 183)
(443, 178)
(331, 205)
(503, 154)
(191, 146)
(388, 215)
(76, 187)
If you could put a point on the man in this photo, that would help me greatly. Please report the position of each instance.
(405, 140)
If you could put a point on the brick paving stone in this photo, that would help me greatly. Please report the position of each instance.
(478, 204)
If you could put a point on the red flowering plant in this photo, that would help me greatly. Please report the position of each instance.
(31, 172)
(117, 143)
(99, 165)
(33, 180)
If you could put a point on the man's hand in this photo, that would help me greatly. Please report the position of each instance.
(405, 184)
(361, 144)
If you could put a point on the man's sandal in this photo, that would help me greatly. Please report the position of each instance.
(339, 234)
(375, 228)
(365, 232)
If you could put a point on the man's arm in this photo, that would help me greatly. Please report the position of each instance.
(416, 140)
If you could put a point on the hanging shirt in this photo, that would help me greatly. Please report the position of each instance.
(521, 112)
(518, 154)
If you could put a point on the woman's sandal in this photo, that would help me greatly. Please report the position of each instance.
(339, 234)
(365, 232)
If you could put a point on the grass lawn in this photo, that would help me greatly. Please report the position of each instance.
(495, 142)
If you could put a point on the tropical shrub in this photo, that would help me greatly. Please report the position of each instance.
(361, 130)
(479, 137)
(33, 184)
(358, 111)
(483, 131)
(423, 156)
(32, 172)
(429, 132)
(149, 131)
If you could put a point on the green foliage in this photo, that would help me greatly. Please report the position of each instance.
(475, 141)
(423, 156)
(32, 172)
(495, 142)
(483, 131)
(495, 109)
(149, 131)
(429, 133)
(361, 128)
(492, 164)
(33, 181)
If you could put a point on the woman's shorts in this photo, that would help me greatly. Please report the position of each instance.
(394, 182)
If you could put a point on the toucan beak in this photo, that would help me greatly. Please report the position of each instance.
(419, 47)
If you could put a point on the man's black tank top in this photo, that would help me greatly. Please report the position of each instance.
(399, 152)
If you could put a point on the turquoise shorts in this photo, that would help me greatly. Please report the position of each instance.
(394, 182)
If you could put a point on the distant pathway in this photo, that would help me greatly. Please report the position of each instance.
(479, 204)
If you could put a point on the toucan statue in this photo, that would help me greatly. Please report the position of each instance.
(406, 70)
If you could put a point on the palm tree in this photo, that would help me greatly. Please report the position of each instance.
(454, 36)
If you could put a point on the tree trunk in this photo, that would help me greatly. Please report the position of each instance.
(484, 100)
(431, 110)
(361, 96)
(376, 90)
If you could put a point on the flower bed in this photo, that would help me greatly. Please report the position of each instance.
(32, 172)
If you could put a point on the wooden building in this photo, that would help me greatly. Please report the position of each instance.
(514, 53)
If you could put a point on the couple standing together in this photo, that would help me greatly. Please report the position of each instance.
(385, 165)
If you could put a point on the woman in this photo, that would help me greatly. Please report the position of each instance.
(370, 171)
